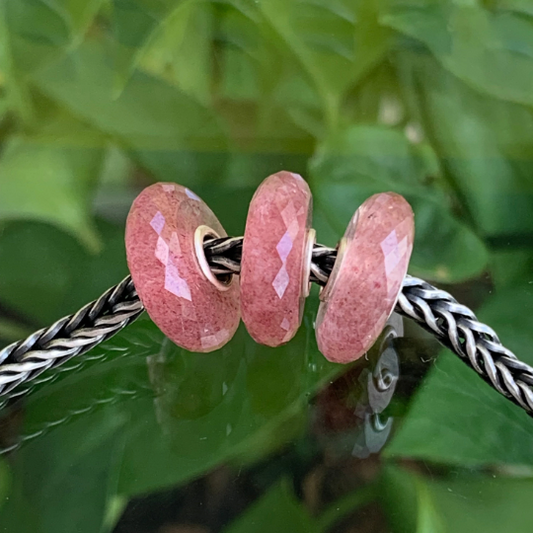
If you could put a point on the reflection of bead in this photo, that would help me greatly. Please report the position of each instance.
(276, 258)
(373, 437)
(367, 277)
(381, 385)
(160, 244)
(382, 380)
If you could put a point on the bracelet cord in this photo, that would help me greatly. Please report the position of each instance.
(453, 324)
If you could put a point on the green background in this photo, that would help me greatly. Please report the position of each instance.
(98, 98)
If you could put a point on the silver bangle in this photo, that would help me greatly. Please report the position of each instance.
(453, 324)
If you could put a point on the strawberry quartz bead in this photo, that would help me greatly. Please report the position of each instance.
(276, 258)
(367, 277)
(160, 246)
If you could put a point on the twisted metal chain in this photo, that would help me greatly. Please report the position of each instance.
(453, 324)
(457, 327)
(70, 336)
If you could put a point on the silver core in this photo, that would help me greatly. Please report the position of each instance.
(199, 237)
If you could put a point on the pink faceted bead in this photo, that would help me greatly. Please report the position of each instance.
(276, 258)
(160, 248)
(367, 277)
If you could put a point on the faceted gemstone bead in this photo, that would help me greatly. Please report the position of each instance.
(276, 258)
(160, 249)
(367, 277)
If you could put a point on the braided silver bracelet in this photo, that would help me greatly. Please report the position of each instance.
(454, 325)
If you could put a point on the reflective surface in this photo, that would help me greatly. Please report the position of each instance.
(140, 435)
(149, 418)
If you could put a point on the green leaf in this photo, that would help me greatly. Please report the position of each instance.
(79, 15)
(485, 145)
(516, 5)
(3, 105)
(12, 330)
(245, 63)
(281, 107)
(179, 49)
(492, 51)
(492, 505)
(277, 510)
(133, 22)
(464, 421)
(399, 498)
(458, 503)
(46, 274)
(511, 267)
(297, 60)
(5, 482)
(46, 496)
(33, 32)
(363, 160)
(171, 40)
(428, 519)
(49, 176)
(36, 265)
(170, 133)
(334, 43)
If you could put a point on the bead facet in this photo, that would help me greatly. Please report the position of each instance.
(367, 277)
(160, 245)
(275, 258)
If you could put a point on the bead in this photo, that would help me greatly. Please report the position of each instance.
(367, 277)
(191, 310)
(276, 258)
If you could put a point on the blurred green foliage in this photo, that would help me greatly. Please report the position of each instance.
(430, 98)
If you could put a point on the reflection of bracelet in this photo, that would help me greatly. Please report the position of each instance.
(369, 428)
(453, 324)
(351, 412)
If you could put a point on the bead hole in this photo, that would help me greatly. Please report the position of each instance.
(202, 235)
